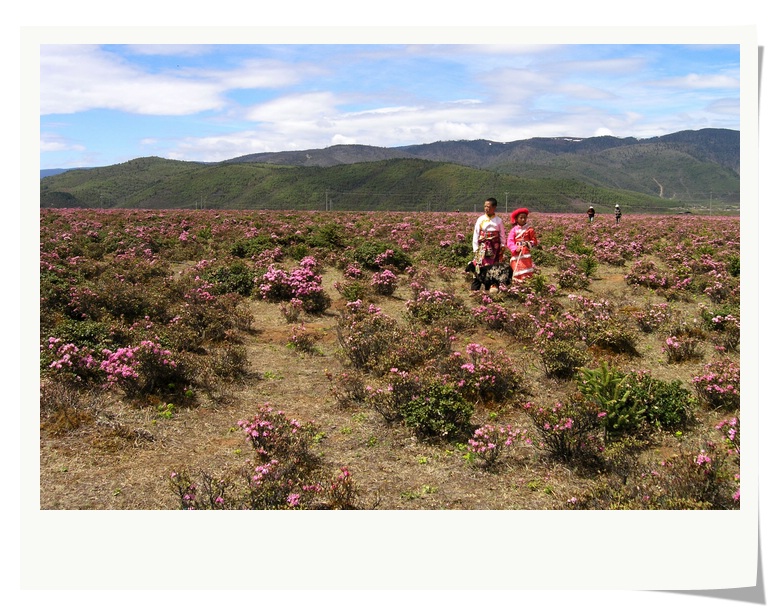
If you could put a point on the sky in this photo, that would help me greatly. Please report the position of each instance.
(107, 104)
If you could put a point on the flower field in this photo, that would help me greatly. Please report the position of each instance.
(338, 360)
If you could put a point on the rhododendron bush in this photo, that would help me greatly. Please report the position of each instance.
(609, 379)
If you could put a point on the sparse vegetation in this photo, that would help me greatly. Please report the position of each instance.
(158, 347)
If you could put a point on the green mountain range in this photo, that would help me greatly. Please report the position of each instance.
(679, 172)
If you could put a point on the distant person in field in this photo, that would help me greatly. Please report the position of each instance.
(618, 213)
(591, 214)
(488, 241)
(520, 240)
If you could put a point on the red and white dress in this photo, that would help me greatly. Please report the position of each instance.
(520, 241)
(488, 240)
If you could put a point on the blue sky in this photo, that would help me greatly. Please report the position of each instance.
(106, 104)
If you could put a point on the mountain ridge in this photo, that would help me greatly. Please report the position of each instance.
(556, 173)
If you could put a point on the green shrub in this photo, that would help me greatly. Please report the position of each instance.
(251, 247)
(85, 333)
(577, 245)
(297, 251)
(605, 387)
(352, 290)
(439, 412)
(562, 358)
(329, 236)
(542, 257)
(666, 404)
(376, 255)
(589, 264)
(235, 277)
(733, 266)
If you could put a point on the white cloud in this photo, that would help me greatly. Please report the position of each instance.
(82, 77)
(302, 108)
(695, 81)
(342, 140)
(261, 74)
(496, 92)
(724, 106)
(52, 143)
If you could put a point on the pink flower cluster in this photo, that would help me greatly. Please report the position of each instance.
(302, 282)
(490, 441)
(719, 385)
(384, 282)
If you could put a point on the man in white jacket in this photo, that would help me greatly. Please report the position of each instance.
(488, 240)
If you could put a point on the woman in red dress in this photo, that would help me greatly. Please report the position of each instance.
(520, 240)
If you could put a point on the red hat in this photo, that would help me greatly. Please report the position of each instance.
(517, 212)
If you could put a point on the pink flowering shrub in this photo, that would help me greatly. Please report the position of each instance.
(653, 317)
(682, 348)
(560, 343)
(274, 435)
(204, 492)
(285, 473)
(571, 276)
(384, 282)
(718, 386)
(503, 316)
(366, 335)
(144, 368)
(729, 428)
(571, 431)
(433, 306)
(302, 339)
(482, 374)
(204, 316)
(303, 283)
(724, 323)
(493, 314)
(400, 387)
(353, 271)
(647, 274)
(702, 479)
(292, 310)
(67, 362)
(342, 492)
(602, 325)
(138, 369)
(489, 442)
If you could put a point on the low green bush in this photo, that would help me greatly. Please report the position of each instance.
(439, 412)
(667, 405)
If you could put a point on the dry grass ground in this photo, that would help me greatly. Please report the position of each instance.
(112, 454)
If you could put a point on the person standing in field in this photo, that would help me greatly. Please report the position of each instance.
(591, 214)
(618, 214)
(488, 239)
(520, 240)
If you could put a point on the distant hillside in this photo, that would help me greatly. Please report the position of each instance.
(47, 172)
(680, 171)
(719, 146)
(688, 165)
